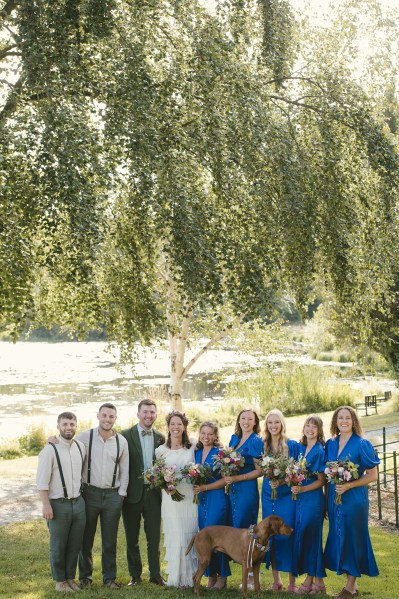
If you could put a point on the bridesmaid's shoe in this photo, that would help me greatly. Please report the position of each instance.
(292, 588)
(211, 582)
(317, 588)
(345, 594)
(304, 589)
(277, 586)
(220, 583)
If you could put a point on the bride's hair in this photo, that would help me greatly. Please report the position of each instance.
(185, 438)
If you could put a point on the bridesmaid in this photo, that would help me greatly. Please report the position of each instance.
(281, 553)
(310, 508)
(214, 505)
(348, 549)
(244, 493)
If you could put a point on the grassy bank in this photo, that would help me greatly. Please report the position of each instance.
(25, 571)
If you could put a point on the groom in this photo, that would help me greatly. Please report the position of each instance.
(140, 501)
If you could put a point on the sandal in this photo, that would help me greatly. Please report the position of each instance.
(304, 589)
(317, 588)
(345, 594)
(211, 582)
(292, 588)
(277, 586)
(220, 583)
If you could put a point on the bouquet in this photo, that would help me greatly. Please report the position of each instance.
(296, 473)
(339, 472)
(161, 476)
(227, 462)
(273, 467)
(196, 474)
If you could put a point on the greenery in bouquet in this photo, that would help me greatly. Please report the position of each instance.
(273, 467)
(196, 474)
(161, 476)
(227, 461)
(339, 472)
(295, 473)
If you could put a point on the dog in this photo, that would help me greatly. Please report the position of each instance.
(245, 546)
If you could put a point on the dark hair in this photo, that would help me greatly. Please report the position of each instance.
(66, 416)
(215, 429)
(256, 428)
(185, 438)
(317, 421)
(356, 426)
(108, 405)
(146, 402)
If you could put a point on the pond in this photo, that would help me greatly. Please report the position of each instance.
(38, 380)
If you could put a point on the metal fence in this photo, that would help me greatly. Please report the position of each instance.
(386, 486)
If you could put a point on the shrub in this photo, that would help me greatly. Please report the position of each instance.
(293, 389)
(34, 441)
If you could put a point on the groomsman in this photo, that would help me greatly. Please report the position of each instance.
(59, 479)
(142, 502)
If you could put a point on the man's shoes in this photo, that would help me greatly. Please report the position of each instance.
(63, 587)
(111, 584)
(134, 581)
(159, 581)
(86, 583)
(73, 585)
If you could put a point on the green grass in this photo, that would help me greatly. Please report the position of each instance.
(25, 570)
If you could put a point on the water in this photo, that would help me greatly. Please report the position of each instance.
(38, 380)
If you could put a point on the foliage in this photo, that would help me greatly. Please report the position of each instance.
(161, 162)
(34, 441)
(293, 389)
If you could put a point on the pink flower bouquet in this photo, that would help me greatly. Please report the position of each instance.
(273, 467)
(295, 473)
(228, 462)
(196, 474)
(339, 472)
(161, 476)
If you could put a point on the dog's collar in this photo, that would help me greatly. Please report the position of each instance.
(254, 536)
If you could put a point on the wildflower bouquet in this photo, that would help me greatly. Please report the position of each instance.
(339, 472)
(273, 467)
(295, 473)
(227, 462)
(196, 474)
(161, 476)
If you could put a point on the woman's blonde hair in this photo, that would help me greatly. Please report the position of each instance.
(215, 430)
(356, 426)
(282, 442)
(317, 421)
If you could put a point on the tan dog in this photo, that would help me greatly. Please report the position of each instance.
(245, 546)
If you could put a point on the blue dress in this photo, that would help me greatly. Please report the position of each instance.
(213, 509)
(282, 547)
(244, 496)
(309, 517)
(348, 548)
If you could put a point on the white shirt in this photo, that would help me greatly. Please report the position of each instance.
(48, 476)
(103, 457)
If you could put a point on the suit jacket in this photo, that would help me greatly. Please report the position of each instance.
(136, 464)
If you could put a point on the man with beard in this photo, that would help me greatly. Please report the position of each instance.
(59, 483)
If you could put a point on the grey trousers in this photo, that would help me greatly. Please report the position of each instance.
(66, 535)
(105, 504)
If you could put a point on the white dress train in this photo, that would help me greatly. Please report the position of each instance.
(179, 521)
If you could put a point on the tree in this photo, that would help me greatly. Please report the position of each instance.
(175, 170)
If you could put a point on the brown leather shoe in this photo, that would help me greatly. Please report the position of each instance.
(159, 581)
(345, 594)
(111, 584)
(134, 581)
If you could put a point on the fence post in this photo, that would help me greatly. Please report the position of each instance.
(379, 493)
(395, 474)
(384, 449)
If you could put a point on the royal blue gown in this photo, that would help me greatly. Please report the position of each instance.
(213, 509)
(282, 547)
(348, 548)
(244, 496)
(309, 517)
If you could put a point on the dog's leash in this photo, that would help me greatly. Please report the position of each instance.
(254, 543)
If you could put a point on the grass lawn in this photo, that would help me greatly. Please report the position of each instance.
(25, 570)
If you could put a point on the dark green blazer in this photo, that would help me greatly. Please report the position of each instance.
(136, 464)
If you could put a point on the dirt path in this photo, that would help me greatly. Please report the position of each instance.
(18, 496)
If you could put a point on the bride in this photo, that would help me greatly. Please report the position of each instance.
(179, 519)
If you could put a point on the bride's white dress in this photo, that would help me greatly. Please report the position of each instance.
(179, 521)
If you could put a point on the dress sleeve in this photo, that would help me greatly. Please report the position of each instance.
(160, 451)
(255, 447)
(368, 457)
(233, 441)
(319, 461)
(293, 448)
